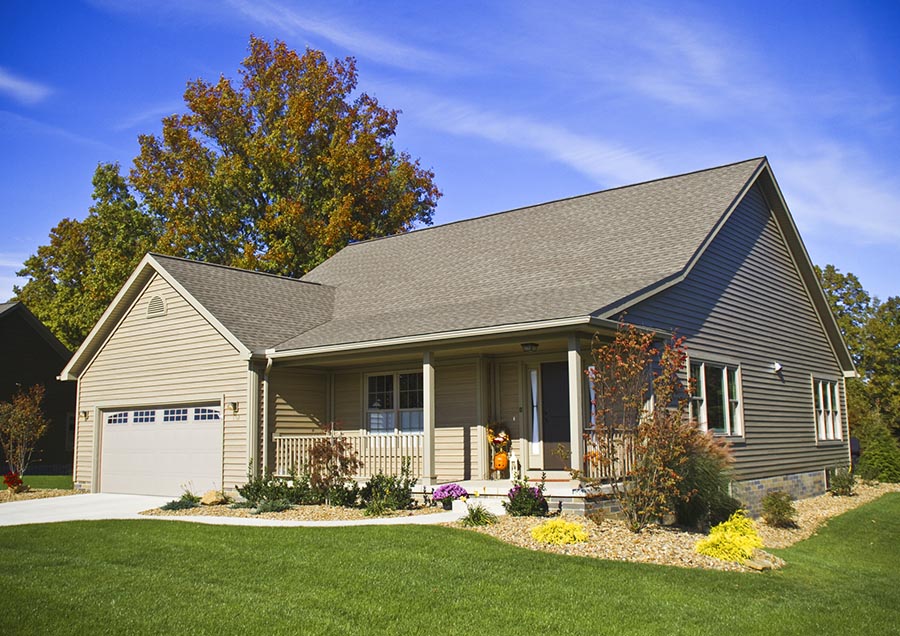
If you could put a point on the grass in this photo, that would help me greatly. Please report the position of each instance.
(151, 577)
(63, 482)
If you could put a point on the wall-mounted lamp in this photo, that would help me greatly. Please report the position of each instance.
(529, 347)
(776, 367)
(234, 407)
(84, 414)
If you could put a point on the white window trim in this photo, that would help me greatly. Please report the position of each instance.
(827, 420)
(396, 410)
(698, 399)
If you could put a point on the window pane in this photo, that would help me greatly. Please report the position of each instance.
(381, 422)
(381, 392)
(201, 414)
(412, 421)
(695, 376)
(412, 395)
(175, 415)
(144, 417)
(715, 400)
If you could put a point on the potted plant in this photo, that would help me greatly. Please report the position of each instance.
(446, 493)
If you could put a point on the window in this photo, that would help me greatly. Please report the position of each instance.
(143, 417)
(175, 415)
(394, 402)
(827, 399)
(716, 397)
(206, 414)
(117, 418)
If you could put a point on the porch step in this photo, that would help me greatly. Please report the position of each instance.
(554, 476)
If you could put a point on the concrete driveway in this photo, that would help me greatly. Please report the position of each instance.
(77, 508)
(106, 506)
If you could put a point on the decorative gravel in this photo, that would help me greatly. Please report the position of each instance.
(43, 493)
(613, 541)
(297, 513)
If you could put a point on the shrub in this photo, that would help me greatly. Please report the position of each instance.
(703, 498)
(13, 481)
(345, 495)
(559, 532)
(22, 424)
(258, 489)
(478, 515)
(841, 482)
(332, 462)
(239, 505)
(526, 501)
(186, 501)
(273, 505)
(393, 492)
(376, 507)
(449, 491)
(880, 460)
(778, 509)
(732, 540)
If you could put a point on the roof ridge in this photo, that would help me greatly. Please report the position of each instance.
(560, 200)
(236, 269)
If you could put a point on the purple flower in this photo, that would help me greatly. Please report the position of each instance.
(449, 491)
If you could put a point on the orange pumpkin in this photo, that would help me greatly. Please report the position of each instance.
(501, 461)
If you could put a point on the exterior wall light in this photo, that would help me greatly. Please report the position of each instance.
(234, 407)
(776, 367)
(529, 347)
(84, 415)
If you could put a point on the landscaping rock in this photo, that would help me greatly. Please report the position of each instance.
(212, 498)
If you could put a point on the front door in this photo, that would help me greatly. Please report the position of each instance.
(554, 409)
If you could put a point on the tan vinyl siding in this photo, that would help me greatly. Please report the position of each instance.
(348, 400)
(172, 359)
(299, 402)
(744, 301)
(456, 413)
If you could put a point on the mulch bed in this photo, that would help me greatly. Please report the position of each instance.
(672, 546)
(297, 513)
(37, 493)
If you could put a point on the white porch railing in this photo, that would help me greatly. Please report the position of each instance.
(624, 451)
(379, 452)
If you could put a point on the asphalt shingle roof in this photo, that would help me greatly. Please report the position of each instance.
(575, 257)
(261, 310)
(570, 258)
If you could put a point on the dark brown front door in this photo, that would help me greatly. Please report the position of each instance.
(555, 413)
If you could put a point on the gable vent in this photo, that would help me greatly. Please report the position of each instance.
(156, 307)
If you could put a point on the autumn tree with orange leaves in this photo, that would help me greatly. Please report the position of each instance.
(274, 172)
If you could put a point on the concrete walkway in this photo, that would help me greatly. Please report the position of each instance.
(107, 506)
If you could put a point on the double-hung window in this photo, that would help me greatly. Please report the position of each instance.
(716, 397)
(394, 403)
(827, 400)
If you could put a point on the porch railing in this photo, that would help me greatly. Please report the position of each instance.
(379, 452)
(624, 451)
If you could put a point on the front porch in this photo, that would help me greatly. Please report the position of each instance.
(432, 408)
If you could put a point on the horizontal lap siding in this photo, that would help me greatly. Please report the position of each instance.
(456, 413)
(176, 358)
(510, 409)
(745, 301)
(348, 400)
(299, 401)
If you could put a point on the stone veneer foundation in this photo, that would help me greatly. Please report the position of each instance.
(799, 485)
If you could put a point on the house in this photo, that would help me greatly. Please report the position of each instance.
(410, 344)
(33, 355)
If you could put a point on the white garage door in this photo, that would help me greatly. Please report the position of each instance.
(162, 451)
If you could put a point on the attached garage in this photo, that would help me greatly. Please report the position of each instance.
(162, 451)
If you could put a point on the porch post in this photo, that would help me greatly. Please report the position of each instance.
(428, 473)
(265, 418)
(576, 403)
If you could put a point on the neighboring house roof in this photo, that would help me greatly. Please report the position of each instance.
(583, 258)
(16, 308)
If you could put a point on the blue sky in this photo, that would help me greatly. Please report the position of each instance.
(511, 103)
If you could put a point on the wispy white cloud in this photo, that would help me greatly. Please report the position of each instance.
(150, 114)
(21, 89)
(10, 263)
(360, 42)
(13, 121)
(605, 162)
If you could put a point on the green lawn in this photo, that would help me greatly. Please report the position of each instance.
(161, 577)
(45, 481)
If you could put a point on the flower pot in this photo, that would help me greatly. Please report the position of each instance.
(447, 503)
(501, 461)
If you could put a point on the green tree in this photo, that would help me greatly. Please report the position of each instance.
(881, 359)
(73, 279)
(851, 304)
(281, 171)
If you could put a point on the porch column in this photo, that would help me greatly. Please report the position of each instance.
(428, 473)
(265, 418)
(576, 403)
